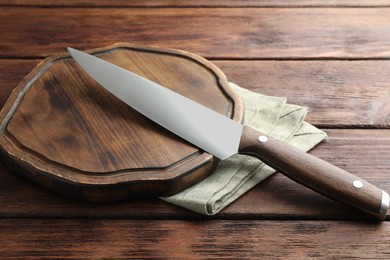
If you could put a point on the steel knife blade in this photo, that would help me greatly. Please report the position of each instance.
(223, 137)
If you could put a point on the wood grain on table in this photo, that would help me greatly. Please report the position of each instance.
(331, 56)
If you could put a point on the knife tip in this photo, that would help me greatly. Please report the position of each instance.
(71, 50)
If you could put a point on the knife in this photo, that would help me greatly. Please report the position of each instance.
(223, 137)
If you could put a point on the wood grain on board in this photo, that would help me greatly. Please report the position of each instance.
(64, 131)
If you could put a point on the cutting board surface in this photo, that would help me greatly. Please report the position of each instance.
(62, 130)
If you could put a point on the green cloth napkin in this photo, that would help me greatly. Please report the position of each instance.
(239, 173)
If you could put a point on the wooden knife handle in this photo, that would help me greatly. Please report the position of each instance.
(315, 173)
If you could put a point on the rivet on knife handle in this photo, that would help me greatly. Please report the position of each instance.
(315, 173)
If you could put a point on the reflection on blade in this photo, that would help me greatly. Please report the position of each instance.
(194, 122)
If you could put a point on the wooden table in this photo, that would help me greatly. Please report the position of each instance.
(331, 56)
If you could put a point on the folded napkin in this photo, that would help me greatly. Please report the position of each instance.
(239, 173)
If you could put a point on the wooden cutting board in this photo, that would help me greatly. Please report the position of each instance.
(63, 131)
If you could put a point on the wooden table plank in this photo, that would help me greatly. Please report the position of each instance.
(246, 33)
(276, 198)
(108, 239)
(199, 3)
(337, 93)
